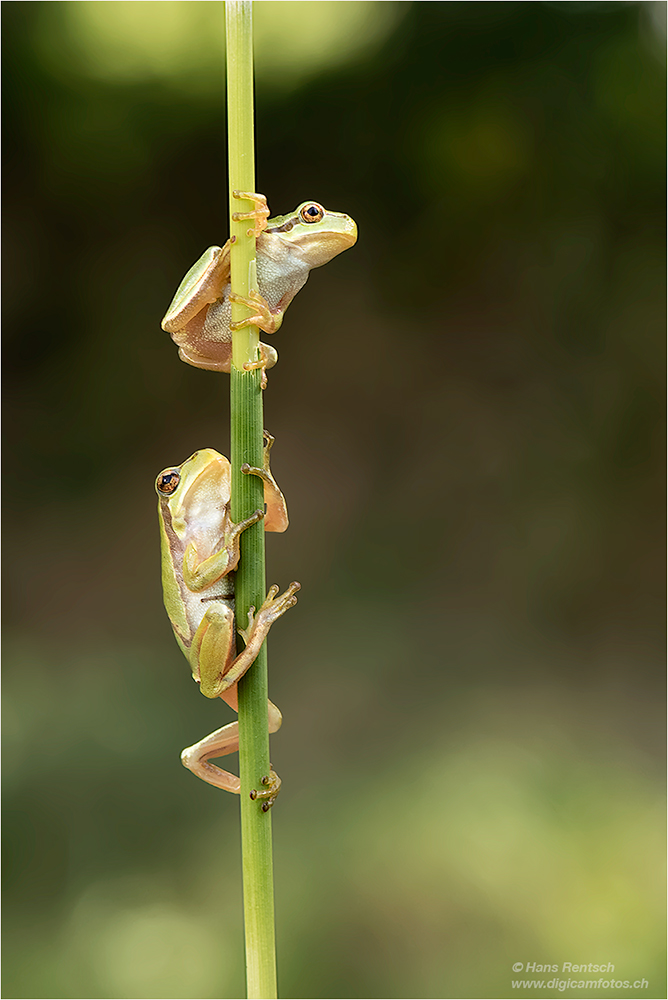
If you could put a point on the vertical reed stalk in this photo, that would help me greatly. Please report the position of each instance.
(248, 496)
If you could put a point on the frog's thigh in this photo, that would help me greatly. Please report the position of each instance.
(275, 719)
(213, 646)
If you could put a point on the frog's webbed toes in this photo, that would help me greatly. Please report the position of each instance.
(253, 470)
(245, 633)
(260, 212)
(265, 363)
(268, 794)
(268, 358)
(273, 606)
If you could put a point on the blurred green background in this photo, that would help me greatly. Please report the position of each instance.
(468, 414)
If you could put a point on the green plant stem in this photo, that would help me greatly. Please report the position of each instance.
(248, 496)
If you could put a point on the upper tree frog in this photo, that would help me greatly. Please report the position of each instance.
(288, 246)
(200, 550)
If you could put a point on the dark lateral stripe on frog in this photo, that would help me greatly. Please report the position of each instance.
(218, 597)
(285, 228)
(185, 639)
(172, 537)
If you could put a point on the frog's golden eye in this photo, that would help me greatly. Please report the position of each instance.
(313, 212)
(167, 482)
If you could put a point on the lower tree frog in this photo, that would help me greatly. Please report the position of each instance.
(200, 551)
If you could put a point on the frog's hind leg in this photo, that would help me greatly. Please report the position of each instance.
(225, 741)
(218, 744)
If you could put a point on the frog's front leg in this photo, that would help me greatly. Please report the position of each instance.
(276, 514)
(199, 574)
(263, 317)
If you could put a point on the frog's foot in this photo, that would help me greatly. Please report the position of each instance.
(268, 358)
(260, 212)
(261, 314)
(263, 474)
(272, 609)
(258, 628)
(269, 441)
(271, 787)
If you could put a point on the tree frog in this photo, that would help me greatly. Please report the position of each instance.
(200, 551)
(288, 246)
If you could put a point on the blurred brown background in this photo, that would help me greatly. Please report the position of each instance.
(468, 414)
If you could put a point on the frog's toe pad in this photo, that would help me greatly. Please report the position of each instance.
(274, 607)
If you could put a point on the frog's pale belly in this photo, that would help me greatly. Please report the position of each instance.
(275, 281)
(198, 603)
(207, 340)
(280, 274)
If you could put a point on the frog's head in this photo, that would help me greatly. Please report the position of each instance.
(316, 233)
(196, 493)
